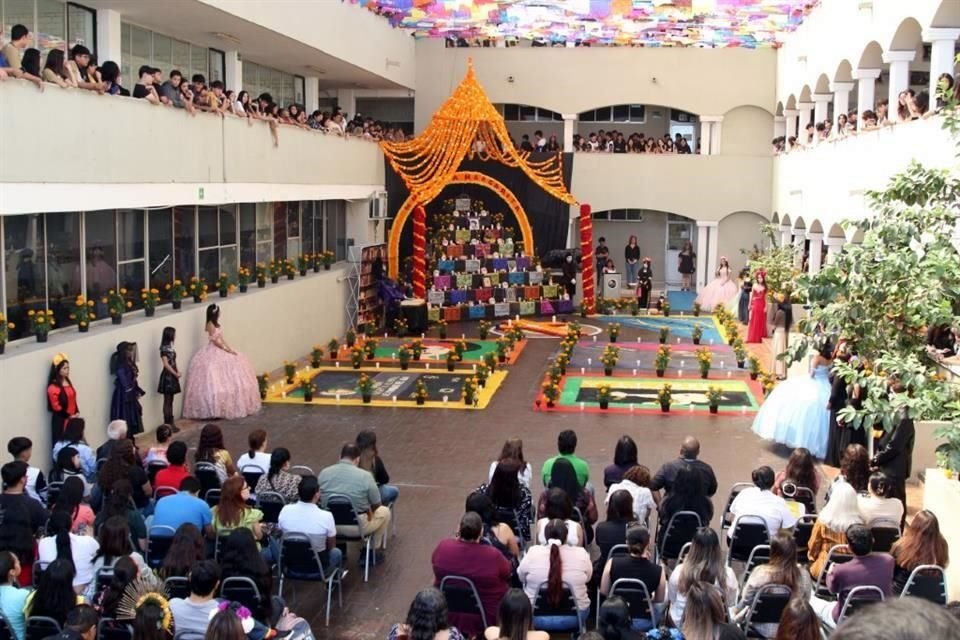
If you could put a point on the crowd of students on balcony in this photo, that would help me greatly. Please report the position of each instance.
(910, 106)
(81, 71)
(607, 142)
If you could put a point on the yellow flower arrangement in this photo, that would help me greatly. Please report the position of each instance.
(198, 289)
(243, 276)
(40, 322)
(470, 388)
(117, 303)
(223, 285)
(83, 313)
(150, 297)
(177, 291)
(551, 391)
(662, 359)
(289, 370)
(316, 354)
(5, 328)
(704, 360)
(603, 393)
(665, 394)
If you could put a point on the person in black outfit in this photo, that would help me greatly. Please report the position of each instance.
(689, 452)
(645, 284)
(613, 530)
(746, 289)
(20, 516)
(371, 461)
(602, 254)
(895, 455)
(942, 341)
(569, 277)
(841, 395)
(631, 258)
(687, 265)
(636, 565)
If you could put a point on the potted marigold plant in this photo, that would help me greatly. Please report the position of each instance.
(356, 356)
(275, 269)
(551, 391)
(730, 328)
(316, 355)
(452, 359)
(263, 383)
(262, 274)
(400, 326)
(351, 338)
(117, 304)
(303, 264)
(696, 309)
(82, 314)
(664, 334)
(306, 385)
(404, 355)
(613, 331)
(562, 360)
(554, 373)
(484, 329)
(150, 298)
(502, 348)
(177, 293)
(222, 284)
(470, 390)
(662, 359)
(720, 310)
(290, 371)
(442, 329)
(370, 348)
(704, 360)
(327, 258)
(420, 394)
(713, 397)
(665, 396)
(603, 396)
(634, 308)
(416, 348)
(769, 381)
(39, 323)
(754, 363)
(365, 387)
(483, 372)
(315, 262)
(609, 359)
(289, 269)
(333, 348)
(243, 279)
(696, 333)
(460, 346)
(369, 330)
(5, 331)
(740, 352)
(584, 309)
(198, 289)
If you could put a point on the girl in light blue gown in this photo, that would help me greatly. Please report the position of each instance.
(796, 413)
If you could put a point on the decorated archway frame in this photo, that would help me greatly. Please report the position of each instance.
(461, 177)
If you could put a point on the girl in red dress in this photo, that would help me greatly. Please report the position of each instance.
(61, 396)
(757, 329)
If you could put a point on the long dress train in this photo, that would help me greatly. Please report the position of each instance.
(220, 384)
(796, 413)
(720, 290)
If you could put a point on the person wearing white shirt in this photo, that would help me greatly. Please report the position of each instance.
(879, 505)
(256, 455)
(760, 501)
(513, 450)
(60, 542)
(636, 481)
(317, 524)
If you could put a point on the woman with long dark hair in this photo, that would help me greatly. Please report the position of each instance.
(70, 499)
(509, 495)
(513, 450)
(497, 534)
(210, 449)
(855, 468)
(55, 595)
(613, 530)
(61, 396)
(67, 465)
(624, 457)
(801, 471)
(221, 382)
(782, 569)
(61, 544)
(558, 506)
(186, 549)
(12, 597)
(125, 404)
(73, 436)
(687, 494)
(637, 482)
(645, 284)
(922, 543)
(54, 70)
(278, 479)
(233, 512)
(120, 503)
(636, 565)
(564, 476)
(879, 503)
(169, 384)
(115, 543)
(515, 619)
(686, 265)
(782, 323)
(555, 565)
(706, 615)
(225, 625)
(631, 258)
(30, 62)
(799, 622)
(757, 326)
(148, 624)
(123, 465)
(125, 571)
(426, 619)
(240, 558)
(256, 456)
(704, 563)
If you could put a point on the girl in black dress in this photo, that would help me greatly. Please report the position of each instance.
(687, 265)
(645, 284)
(169, 384)
(746, 288)
(125, 404)
(569, 278)
(841, 435)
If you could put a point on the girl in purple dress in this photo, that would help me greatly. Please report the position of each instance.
(125, 404)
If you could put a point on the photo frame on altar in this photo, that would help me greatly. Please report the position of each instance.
(473, 224)
(462, 204)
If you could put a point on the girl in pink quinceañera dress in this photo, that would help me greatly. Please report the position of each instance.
(221, 383)
(720, 290)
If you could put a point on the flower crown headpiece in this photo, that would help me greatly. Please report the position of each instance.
(59, 358)
(244, 614)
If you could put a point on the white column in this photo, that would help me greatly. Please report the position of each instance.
(713, 258)
(806, 113)
(703, 229)
(834, 246)
(109, 46)
(841, 98)
(706, 133)
(233, 67)
(866, 91)
(786, 234)
(779, 126)
(942, 50)
(311, 94)
(899, 62)
(710, 134)
(791, 117)
(816, 248)
(347, 100)
(821, 107)
(569, 129)
(799, 239)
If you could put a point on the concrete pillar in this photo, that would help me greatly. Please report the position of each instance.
(806, 113)
(786, 234)
(834, 246)
(821, 109)
(710, 135)
(233, 67)
(791, 120)
(816, 247)
(706, 133)
(899, 62)
(311, 93)
(799, 240)
(866, 91)
(347, 100)
(109, 45)
(569, 129)
(841, 98)
(703, 229)
(713, 257)
(779, 126)
(942, 51)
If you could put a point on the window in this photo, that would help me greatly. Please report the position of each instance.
(160, 233)
(63, 264)
(54, 24)
(101, 234)
(81, 26)
(293, 230)
(635, 113)
(217, 242)
(130, 251)
(25, 241)
(184, 234)
(264, 232)
(284, 88)
(336, 228)
(279, 230)
(217, 65)
(527, 113)
(141, 46)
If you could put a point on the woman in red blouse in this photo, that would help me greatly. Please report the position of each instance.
(61, 395)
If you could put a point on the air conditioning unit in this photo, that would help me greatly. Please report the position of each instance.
(378, 206)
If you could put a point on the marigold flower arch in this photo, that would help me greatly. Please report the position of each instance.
(466, 126)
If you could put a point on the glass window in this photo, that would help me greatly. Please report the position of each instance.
(51, 26)
(63, 264)
(125, 49)
(130, 234)
(162, 51)
(132, 278)
(279, 231)
(299, 89)
(511, 112)
(308, 236)
(217, 64)
(24, 271)
(293, 229)
(160, 224)
(210, 265)
(528, 113)
(18, 12)
(207, 221)
(588, 116)
(184, 238)
(101, 234)
(81, 26)
(200, 61)
(141, 50)
(248, 235)
(264, 232)
(638, 113)
(180, 54)
(336, 228)
(228, 224)
(621, 113)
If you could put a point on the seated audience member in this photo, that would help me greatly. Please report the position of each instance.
(706, 615)
(624, 459)
(278, 478)
(799, 622)
(686, 494)
(233, 512)
(637, 482)
(841, 513)
(176, 470)
(116, 431)
(347, 479)
(22, 517)
(509, 495)
(120, 503)
(854, 469)
(637, 565)
(878, 505)
(559, 507)
(689, 459)
(80, 624)
(186, 549)
(800, 471)
(513, 451)
(110, 73)
(497, 534)
(308, 518)
(192, 615)
(21, 448)
(922, 543)
(704, 563)
(67, 465)
(485, 566)
(614, 621)
(555, 558)
(240, 558)
(613, 530)
(114, 540)
(256, 455)
(759, 500)
(107, 600)
(901, 619)
(60, 543)
(865, 569)
(123, 465)
(567, 446)
(54, 596)
(515, 619)
(70, 499)
(782, 569)
(210, 448)
(183, 507)
(563, 476)
(371, 461)
(158, 453)
(73, 437)
(426, 619)
(12, 597)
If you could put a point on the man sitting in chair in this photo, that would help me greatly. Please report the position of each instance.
(317, 524)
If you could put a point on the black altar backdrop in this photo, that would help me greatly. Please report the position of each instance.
(548, 216)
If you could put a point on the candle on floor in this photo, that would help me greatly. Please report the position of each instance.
(634, 372)
(638, 364)
(729, 373)
(338, 396)
(711, 341)
(594, 338)
(445, 399)
(422, 336)
(553, 319)
(690, 408)
(581, 406)
(743, 410)
(378, 365)
(474, 367)
(583, 370)
(386, 335)
(678, 340)
(589, 362)
(428, 365)
(463, 336)
(680, 373)
(681, 314)
(283, 394)
(682, 362)
(631, 407)
(394, 399)
(338, 364)
(393, 355)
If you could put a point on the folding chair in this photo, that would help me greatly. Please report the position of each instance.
(164, 491)
(271, 503)
(749, 531)
(801, 535)
(206, 473)
(159, 539)
(349, 529)
(110, 629)
(462, 597)
(302, 470)
(637, 597)
(726, 519)
(857, 599)
(252, 474)
(177, 587)
(838, 554)
(684, 550)
(245, 591)
(885, 533)
(767, 607)
(40, 627)
(212, 497)
(759, 555)
(155, 467)
(680, 530)
(299, 561)
(927, 581)
(615, 550)
(6, 631)
(566, 607)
